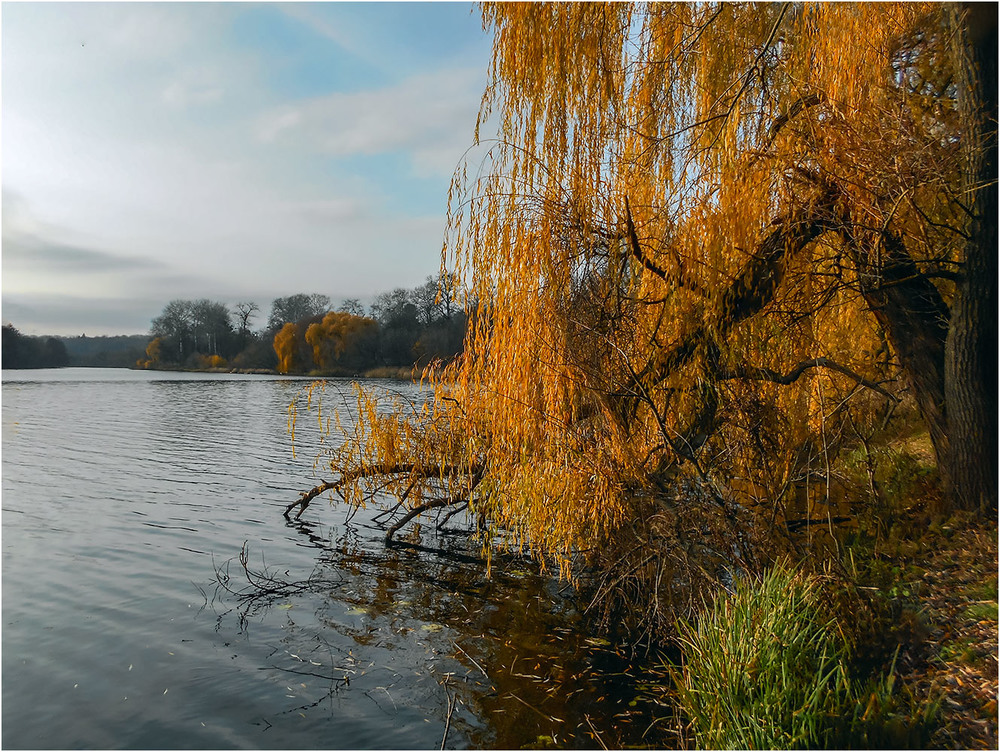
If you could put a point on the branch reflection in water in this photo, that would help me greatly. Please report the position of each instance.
(511, 653)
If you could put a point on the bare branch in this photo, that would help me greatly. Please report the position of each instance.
(755, 373)
(679, 279)
(374, 471)
(633, 240)
(416, 511)
(434, 504)
(810, 100)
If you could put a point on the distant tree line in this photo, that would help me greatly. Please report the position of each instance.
(114, 351)
(304, 333)
(26, 351)
(111, 351)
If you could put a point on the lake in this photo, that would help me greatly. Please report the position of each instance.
(128, 620)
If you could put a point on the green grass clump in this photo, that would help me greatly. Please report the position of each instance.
(983, 611)
(765, 669)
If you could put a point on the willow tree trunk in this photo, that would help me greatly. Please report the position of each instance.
(971, 352)
(914, 317)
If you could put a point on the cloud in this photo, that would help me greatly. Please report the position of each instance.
(187, 93)
(430, 116)
(66, 315)
(334, 210)
(46, 261)
(22, 251)
(336, 31)
(273, 125)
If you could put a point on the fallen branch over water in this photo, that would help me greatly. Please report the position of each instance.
(417, 473)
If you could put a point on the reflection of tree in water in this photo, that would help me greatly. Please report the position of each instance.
(511, 652)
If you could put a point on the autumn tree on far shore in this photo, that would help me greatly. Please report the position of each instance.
(286, 346)
(405, 329)
(341, 339)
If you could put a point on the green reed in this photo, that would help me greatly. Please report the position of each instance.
(764, 668)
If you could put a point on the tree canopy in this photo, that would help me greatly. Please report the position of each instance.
(23, 351)
(190, 328)
(714, 244)
(295, 308)
(405, 328)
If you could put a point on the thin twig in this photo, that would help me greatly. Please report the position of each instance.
(474, 663)
(457, 510)
(549, 718)
(596, 735)
(447, 722)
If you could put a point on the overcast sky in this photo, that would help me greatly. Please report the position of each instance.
(229, 151)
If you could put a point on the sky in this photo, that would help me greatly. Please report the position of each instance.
(230, 151)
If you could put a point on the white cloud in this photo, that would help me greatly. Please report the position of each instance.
(187, 93)
(271, 126)
(430, 116)
(328, 210)
(339, 33)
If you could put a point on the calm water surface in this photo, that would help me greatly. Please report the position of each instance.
(128, 495)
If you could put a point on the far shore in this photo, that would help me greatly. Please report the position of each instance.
(387, 372)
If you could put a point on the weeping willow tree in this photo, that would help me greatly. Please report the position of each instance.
(711, 241)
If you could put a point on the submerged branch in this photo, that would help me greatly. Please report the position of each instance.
(446, 501)
(416, 511)
(418, 471)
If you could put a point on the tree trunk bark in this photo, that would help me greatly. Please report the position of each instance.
(971, 353)
(914, 317)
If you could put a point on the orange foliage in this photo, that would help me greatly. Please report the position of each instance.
(330, 338)
(286, 347)
(153, 352)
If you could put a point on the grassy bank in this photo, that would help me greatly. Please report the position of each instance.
(936, 579)
(796, 660)
(882, 635)
(930, 579)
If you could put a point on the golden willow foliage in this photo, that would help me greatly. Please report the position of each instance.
(330, 338)
(286, 347)
(661, 248)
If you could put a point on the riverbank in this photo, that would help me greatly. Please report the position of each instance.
(387, 372)
(911, 588)
(918, 612)
(937, 578)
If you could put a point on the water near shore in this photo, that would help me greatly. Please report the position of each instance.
(125, 493)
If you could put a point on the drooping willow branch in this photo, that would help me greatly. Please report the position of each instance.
(750, 292)
(747, 295)
(416, 472)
